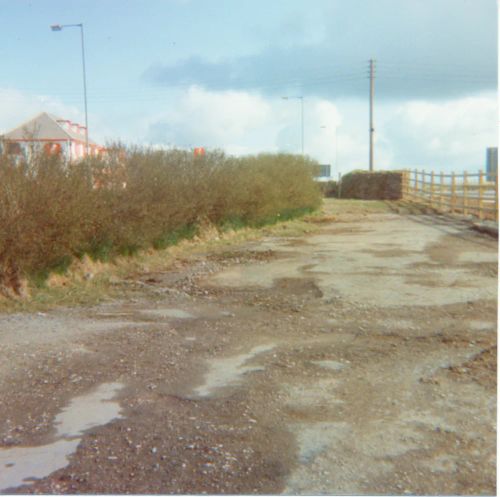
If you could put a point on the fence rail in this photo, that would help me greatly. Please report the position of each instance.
(473, 194)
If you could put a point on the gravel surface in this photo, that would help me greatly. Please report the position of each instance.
(360, 359)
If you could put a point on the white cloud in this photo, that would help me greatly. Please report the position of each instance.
(207, 118)
(449, 135)
(425, 134)
(17, 106)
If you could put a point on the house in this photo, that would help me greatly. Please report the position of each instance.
(51, 134)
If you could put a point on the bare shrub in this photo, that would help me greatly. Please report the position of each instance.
(52, 211)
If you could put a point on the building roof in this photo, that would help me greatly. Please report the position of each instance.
(45, 127)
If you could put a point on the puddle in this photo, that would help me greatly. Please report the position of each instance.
(21, 465)
(30, 463)
(330, 364)
(88, 411)
(228, 371)
(169, 313)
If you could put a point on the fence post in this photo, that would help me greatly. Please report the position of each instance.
(441, 187)
(416, 184)
(432, 189)
(480, 195)
(423, 185)
(465, 192)
(452, 198)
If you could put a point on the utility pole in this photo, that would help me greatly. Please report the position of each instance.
(372, 92)
(302, 124)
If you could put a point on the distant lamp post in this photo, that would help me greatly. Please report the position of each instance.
(301, 98)
(59, 27)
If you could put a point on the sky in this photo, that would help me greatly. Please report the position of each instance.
(213, 73)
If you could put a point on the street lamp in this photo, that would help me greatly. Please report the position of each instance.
(59, 27)
(301, 98)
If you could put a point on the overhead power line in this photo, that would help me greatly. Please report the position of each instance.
(419, 74)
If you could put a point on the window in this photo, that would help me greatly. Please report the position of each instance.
(14, 148)
(52, 148)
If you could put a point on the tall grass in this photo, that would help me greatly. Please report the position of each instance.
(51, 211)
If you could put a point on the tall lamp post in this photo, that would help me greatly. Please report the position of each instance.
(59, 27)
(301, 98)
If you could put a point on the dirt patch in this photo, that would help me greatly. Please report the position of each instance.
(481, 369)
(320, 220)
(238, 257)
(391, 252)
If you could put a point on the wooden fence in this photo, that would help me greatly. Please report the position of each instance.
(466, 194)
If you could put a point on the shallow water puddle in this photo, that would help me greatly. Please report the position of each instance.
(21, 465)
(228, 370)
(330, 364)
(169, 313)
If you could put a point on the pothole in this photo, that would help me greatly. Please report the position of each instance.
(22, 465)
(227, 371)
